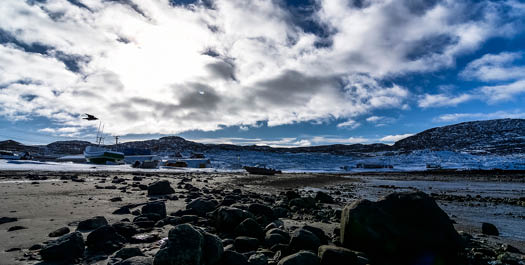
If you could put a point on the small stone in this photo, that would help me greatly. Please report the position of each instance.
(59, 232)
(92, 223)
(303, 239)
(249, 228)
(105, 239)
(323, 197)
(155, 208)
(258, 259)
(202, 206)
(246, 244)
(127, 253)
(336, 255)
(184, 246)
(35, 247)
(489, 229)
(16, 227)
(300, 258)
(233, 258)
(4, 220)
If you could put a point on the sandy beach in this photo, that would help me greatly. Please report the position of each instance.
(45, 201)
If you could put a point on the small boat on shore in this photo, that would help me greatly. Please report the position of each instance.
(262, 170)
(102, 156)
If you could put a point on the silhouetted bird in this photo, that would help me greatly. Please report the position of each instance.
(90, 117)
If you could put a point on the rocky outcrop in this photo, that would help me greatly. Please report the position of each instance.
(65, 248)
(402, 226)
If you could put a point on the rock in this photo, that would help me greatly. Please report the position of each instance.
(280, 212)
(303, 203)
(59, 232)
(246, 244)
(261, 210)
(400, 227)
(67, 247)
(13, 249)
(35, 247)
(228, 218)
(249, 228)
(489, 229)
(336, 255)
(233, 258)
(92, 223)
(201, 206)
(303, 239)
(125, 229)
(105, 239)
(300, 258)
(323, 197)
(161, 187)
(184, 247)
(155, 208)
(122, 210)
(317, 232)
(4, 220)
(212, 249)
(258, 259)
(137, 260)
(16, 227)
(272, 239)
(292, 195)
(127, 253)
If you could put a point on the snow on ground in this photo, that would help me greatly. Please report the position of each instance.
(304, 162)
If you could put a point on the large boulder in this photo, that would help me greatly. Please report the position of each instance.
(212, 249)
(401, 227)
(330, 255)
(158, 208)
(201, 206)
(489, 229)
(228, 218)
(92, 223)
(68, 247)
(250, 228)
(300, 258)
(323, 197)
(161, 187)
(184, 247)
(105, 239)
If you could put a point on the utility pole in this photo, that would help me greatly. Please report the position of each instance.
(116, 139)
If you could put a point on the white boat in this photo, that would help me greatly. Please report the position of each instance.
(100, 155)
(8, 155)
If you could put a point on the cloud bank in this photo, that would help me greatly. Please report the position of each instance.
(159, 66)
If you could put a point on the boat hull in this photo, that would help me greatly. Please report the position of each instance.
(100, 156)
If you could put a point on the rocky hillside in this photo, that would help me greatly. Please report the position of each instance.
(504, 136)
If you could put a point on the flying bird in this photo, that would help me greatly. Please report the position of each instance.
(90, 117)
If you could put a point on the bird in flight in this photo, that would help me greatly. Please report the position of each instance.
(90, 117)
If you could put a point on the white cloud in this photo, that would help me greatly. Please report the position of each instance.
(349, 124)
(149, 67)
(495, 67)
(323, 140)
(504, 92)
(455, 117)
(441, 100)
(395, 138)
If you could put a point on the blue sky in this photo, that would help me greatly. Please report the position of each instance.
(279, 72)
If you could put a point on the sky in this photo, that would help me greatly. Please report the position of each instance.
(267, 72)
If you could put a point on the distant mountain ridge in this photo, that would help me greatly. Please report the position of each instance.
(502, 136)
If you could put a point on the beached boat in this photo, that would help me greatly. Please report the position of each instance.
(262, 170)
(147, 162)
(8, 155)
(100, 155)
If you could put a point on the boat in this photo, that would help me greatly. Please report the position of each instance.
(257, 170)
(189, 162)
(9, 155)
(102, 156)
(147, 162)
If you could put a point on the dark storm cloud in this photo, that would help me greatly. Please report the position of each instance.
(199, 96)
(292, 87)
(222, 70)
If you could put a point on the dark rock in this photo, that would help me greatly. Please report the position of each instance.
(272, 239)
(184, 247)
(144, 238)
(292, 195)
(59, 232)
(127, 253)
(4, 220)
(230, 257)
(92, 223)
(303, 203)
(67, 247)
(161, 187)
(323, 197)
(258, 259)
(16, 227)
(489, 229)
(401, 227)
(105, 239)
(13, 249)
(201, 206)
(336, 255)
(125, 229)
(137, 260)
(249, 228)
(228, 218)
(122, 210)
(246, 244)
(155, 208)
(317, 232)
(300, 258)
(212, 249)
(280, 212)
(303, 239)
(35, 247)
(261, 210)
